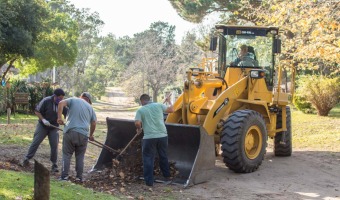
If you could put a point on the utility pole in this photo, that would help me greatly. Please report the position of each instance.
(53, 75)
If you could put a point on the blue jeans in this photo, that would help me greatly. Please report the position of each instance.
(149, 149)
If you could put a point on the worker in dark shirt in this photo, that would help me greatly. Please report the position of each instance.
(46, 111)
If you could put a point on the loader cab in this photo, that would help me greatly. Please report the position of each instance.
(245, 47)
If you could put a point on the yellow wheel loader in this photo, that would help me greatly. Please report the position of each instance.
(230, 104)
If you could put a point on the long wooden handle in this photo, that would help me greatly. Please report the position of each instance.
(105, 146)
(134, 137)
(167, 97)
(56, 127)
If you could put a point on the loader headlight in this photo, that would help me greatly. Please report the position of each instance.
(274, 32)
(257, 74)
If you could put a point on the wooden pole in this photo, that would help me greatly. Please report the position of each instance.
(8, 115)
(8, 103)
(41, 182)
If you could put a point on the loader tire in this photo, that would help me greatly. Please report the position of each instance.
(283, 149)
(244, 141)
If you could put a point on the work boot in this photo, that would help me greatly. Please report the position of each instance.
(25, 163)
(63, 178)
(79, 180)
(168, 178)
(54, 168)
(149, 184)
(164, 180)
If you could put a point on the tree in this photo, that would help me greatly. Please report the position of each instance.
(103, 67)
(123, 51)
(310, 41)
(189, 54)
(196, 10)
(89, 25)
(38, 39)
(19, 32)
(154, 63)
(57, 44)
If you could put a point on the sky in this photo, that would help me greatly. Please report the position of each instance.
(127, 17)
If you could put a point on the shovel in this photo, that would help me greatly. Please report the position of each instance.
(119, 156)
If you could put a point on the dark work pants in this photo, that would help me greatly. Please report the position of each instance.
(149, 148)
(39, 135)
(73, 142)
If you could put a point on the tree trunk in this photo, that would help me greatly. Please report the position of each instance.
(154, 95)
(8, 68)
(323, 112)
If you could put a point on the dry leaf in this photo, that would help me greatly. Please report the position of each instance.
(122, 190)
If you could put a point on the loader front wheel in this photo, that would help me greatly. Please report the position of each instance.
(283, 143)
(244, 141)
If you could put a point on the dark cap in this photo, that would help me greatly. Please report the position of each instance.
(87, 95)
(59, 92)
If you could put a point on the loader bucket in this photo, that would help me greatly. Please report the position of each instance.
(190, 148)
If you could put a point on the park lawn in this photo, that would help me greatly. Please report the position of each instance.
(19, 119)
(21, 129)
(20, 185)
(312, 132)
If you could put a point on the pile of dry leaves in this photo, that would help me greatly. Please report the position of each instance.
(123, 173)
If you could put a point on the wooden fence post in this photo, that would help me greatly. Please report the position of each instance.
(8, 115)
(41, 182)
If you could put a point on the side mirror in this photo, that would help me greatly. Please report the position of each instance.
(277, 46)
(213, 43)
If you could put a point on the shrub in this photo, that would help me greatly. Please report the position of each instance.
(302, 104)
(37, 92)
(322, 92)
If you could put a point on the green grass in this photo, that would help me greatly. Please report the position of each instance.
(19, 119)
(335, 112)
(20, 130)
(315, 132)
(18, 185)
(19, 134)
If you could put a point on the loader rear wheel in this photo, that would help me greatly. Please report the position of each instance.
(283, 148)
(244, 141)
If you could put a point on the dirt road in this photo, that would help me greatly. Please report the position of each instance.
(305, 175)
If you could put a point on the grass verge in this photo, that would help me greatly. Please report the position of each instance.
(314, 132)
(19, 119)
(19, 185)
